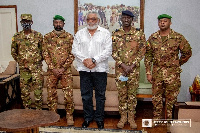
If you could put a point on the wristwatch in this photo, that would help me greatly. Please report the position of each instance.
(93, 60)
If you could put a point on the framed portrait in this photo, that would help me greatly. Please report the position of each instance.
(109, 11)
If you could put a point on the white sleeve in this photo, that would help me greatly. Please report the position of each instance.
(107, 49)
(75, 49)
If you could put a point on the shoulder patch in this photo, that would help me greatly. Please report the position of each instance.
(13, 39)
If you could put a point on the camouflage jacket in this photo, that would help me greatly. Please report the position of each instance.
(165, 53)
(128, 48)
(57, 50)
(27, 49)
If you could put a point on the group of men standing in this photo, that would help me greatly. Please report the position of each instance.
(29, 48)
(91, 48)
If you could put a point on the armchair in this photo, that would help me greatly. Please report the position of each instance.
(9, 86)
(187, 110)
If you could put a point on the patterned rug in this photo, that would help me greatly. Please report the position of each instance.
(57, 129)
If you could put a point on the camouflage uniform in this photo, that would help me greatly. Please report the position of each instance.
(166, 68)
(128, 48)
(27, 51)
(57, 54)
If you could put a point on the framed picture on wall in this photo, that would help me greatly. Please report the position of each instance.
(109, 12)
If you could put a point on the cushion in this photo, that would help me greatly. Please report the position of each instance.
(111, 97)
(192, 114)
(11, 68)
(76, 82)
(74, 71)
(144, 88)
(111, 85)
(180, 129)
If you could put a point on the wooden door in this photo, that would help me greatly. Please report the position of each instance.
(8, 27)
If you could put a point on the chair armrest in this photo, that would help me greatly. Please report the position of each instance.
(182, 105)
(12, 77)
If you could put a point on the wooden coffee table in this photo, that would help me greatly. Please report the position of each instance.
(26, 120)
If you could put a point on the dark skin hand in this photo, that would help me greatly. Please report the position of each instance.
(58, 72)
(149, 78)
(127, 69)
(88, 63)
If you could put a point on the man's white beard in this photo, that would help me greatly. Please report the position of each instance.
(92, 27)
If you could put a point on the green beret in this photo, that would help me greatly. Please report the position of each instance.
(58, 17)
(26, 16)
(164, 16)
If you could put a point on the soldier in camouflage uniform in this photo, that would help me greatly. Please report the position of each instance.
(162, 50)
(26, 49)
(128, 50)
(57, 46)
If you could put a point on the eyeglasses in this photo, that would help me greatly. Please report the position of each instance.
(93, 19)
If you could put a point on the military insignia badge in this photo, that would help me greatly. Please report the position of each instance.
(146, 122)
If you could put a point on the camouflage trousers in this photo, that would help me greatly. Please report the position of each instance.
(31, 81)
(166, 82)
(66, 82)
(127, 91)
